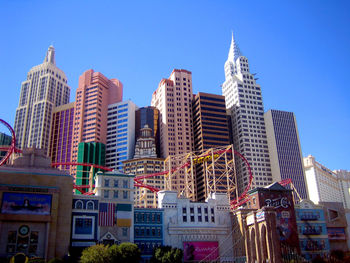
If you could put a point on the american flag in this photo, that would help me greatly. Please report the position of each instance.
(106, 214)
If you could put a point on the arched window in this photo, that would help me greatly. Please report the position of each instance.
(90, 205)
(79, 204)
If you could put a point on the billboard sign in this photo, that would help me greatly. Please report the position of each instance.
(25, 203)
(195, 251)
(336, 233)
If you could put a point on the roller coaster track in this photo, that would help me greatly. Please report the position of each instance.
(137, 180)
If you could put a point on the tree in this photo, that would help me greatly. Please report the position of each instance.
(129, 253)
(56, 260)
(167, 254)
(114, 253)
(95, 254)
(124, 253)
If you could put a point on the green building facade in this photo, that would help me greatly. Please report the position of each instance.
(89, 153)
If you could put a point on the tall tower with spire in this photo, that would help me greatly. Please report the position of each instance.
(44, 89)
(244, 103)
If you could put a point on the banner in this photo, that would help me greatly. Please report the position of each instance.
(23, 203)
(124, 215)
(206, 251)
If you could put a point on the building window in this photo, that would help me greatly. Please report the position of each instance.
(116, 182)
(184, 218)
(90, 205)
(115, 194)
(106, 182)
(125, 232)
(105, 193)
(125, 194)
(78, 204)
(83, 226)
(125, 183)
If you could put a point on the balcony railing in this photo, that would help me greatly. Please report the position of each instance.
(313, 248)
(311, 232)
(308, 217)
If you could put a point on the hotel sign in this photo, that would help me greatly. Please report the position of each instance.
(260, 216)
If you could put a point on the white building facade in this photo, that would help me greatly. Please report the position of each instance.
(45, 88)
(244, 103)
(120, 134)
(344, 184)
(322, 183)
(107, 216)
(195, 226)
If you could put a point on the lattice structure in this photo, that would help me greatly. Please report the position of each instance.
(219, 176)
(220, 172)
(180, 174)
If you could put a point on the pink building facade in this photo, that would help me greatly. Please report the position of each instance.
(95, 92)
(173, 99)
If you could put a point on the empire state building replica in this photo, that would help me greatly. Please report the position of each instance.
(44, 89)
(244, 103)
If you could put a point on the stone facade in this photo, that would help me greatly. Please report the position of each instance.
(194, 226)
(36, 206)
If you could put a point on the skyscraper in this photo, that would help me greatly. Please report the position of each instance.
(120, 134)
(244, 102)
(322, 183)
(173, 99)
(60, 148)
(45, 88)
(210, 130)
(285, 150)
(94, 94)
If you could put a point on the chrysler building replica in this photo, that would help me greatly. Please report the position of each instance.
(245, 106)
(45, 89)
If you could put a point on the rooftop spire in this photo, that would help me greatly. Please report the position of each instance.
(234, 52)
(50, 55)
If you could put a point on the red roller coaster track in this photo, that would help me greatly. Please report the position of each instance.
(235, 203)
(12, 148)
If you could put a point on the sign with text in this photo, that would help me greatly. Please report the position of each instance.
(206, 251)
(24, 203)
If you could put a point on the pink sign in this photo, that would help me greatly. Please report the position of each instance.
(201, 251)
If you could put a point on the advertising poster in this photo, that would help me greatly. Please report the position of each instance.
(335, 233)
(195, 251)
(285, 216)
(23, 203)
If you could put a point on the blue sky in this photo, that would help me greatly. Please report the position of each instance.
(300, 51)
